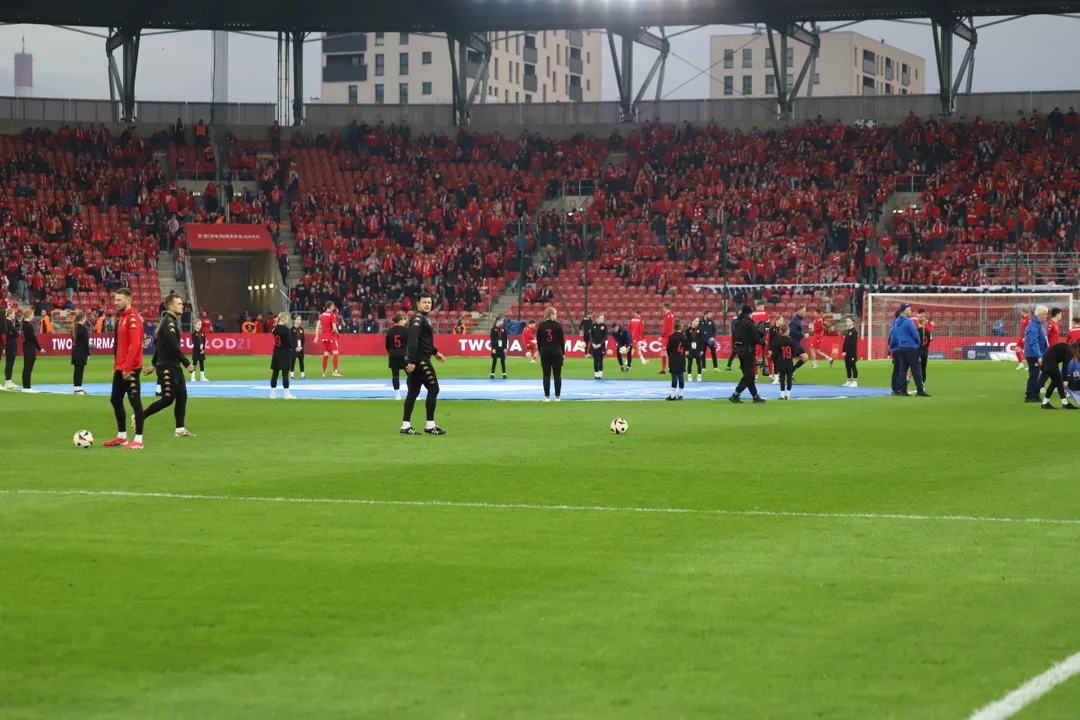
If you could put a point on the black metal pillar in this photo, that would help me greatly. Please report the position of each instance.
(298, 76)
(785, 96)
(125, 38)
(944, 29)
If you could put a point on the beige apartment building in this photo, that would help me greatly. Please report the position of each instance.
(404, 68)
(848, 64)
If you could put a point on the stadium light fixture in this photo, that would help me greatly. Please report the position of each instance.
(250, 288)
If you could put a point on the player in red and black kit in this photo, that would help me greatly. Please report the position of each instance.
(782, 355)
(298, 351)
(1053, 328)
(418, 353)
(851, 353)
(281, 359)
(1054, 365)
(1025, 320)
(675, 350)
(761, 318)
(667, 327)
(397, 338)
(817, 341)
(925, 327)
(126, 368)
(1074, 334)
(551, 343)
(498, 347)
(327, 330)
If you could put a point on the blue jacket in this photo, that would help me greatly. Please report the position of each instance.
(708, 330)
(1035, 341)
(797, 333)
(903, 334)
(622, 338)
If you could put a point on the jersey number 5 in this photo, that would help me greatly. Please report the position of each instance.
(397, 341)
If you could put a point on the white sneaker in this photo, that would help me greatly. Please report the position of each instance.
(775, 379)
(193, 379)
(203, 378)
(699, 377)
(847, 384)
(689, 378)
(32, 391)
(273, 394)
(397, 396)
(547, 399)
(292, 376)
(9, 385)
(854, 383)
(1021, 366)
(289, 395)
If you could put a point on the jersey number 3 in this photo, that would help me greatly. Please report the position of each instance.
(549, 336)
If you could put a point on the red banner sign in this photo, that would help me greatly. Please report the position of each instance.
(204, 236)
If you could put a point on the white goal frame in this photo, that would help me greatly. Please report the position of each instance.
(1064, 300)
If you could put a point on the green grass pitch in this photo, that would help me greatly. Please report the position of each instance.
(142, 607)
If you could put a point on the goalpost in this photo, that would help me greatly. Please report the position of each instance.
(967, 326)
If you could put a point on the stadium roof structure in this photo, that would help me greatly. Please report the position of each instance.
(489, 15)
(466, 24)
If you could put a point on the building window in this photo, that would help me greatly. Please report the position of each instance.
(506, 98)
(888, 89)
(425, 58)
(768, 57)
(817, 78)
(545, 92)
(357, 60)
(558, 54)
(789, 58)
(588, 84)
(517, 45)
(789, 81)
(403, 93)
(380, 66)
(545, 39)
(869, 86)
(547, 64)
(729, 59)
(770, 84)
(517, 97)
(528, 98)
(379, 39)
(403, 39)
(353, 99)
(403, 64)
(379, 94)
(747, 85)
(426, 88)
(729, 85)
(747, 58)
(496, 68)
(588, 58)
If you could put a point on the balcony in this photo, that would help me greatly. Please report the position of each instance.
(577, 38)
(472, 68)
(575, 93)
(342, 72)
(529, 55)
(888, 72)
(529, 83)
(905, 78)
(576, 66)
(344, 42)
(869, 66)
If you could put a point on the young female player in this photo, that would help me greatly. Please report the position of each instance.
(80, 351)
(298, 353)
(498, 347)
(281, 360)
(397, 341)
(851, 353)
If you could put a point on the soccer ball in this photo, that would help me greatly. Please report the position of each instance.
(83, 440)
(619, 426)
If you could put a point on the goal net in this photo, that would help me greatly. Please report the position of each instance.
(966, 326)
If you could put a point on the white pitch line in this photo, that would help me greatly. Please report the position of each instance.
(1030, 691)
(527, 506)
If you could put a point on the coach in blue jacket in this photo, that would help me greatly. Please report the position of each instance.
(1035, 346)
(904, 344)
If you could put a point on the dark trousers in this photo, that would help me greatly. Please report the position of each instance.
(852, 366)
(699, 361)
(173, 392)
(909, 360)
(748, 365)
(274, 377)
(299, 358)
(422, 376)
(898, 382)
(1057, 382)
(678, 380)
(199, 363)
(787, 379)
(551, 365)
(1034, 373)
(29, 359)
(712, 349)
(625, 355)
(598, 360)
(130, 388)
(396, 376)
(924, 355)
(731, 357)
(77, 375)
(497, 358)
(9, 364)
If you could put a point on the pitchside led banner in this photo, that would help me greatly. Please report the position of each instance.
(951, 348)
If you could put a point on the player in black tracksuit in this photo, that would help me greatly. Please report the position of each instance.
(551, 346)
(598, 345)
(708, 336)
(80, 351)
(198, 352)
(298, 353)
(1055, 362)
(695, 350)
(744, 343)
(624, 346)
(851, 353)
(170, 363)
(397, 339)
(676, 352)
(782, 353)
(282, 357)
(31, 347)
(734, 326)
(419, 351)
(498, 347)
(586, 328)
(10, 331)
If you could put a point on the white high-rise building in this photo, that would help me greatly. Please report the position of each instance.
(404, 68)
(848, 64)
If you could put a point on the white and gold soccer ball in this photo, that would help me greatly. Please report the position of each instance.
(619, 426)
(83, 440)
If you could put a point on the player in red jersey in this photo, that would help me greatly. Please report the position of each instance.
(667, 327)
(528, 340)
(1074, 334)
(126, 370)
(1053, 328)
(327, 330)
(1025, 320)
(761, 318)
(818, 340)
(637, 335)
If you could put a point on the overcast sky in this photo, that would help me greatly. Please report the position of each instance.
(1039, 53)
